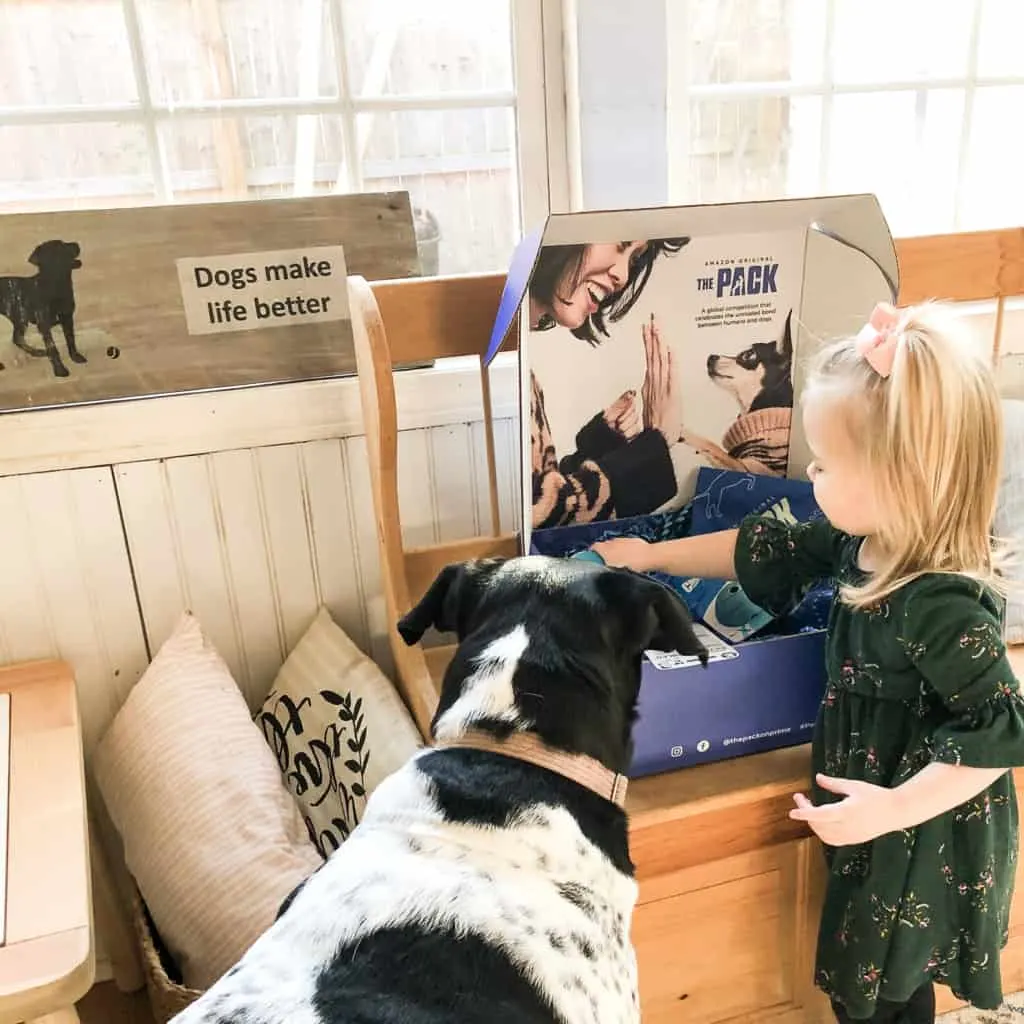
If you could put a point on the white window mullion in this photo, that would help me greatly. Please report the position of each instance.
(965, 128)
(827, 97)
(350, 175)
(679, 93)
(161, 180)
(311, 14)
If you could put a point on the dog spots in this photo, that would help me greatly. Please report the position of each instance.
(487, 694)
(578, 897)
(584, 945)
(414, 845)
(441, 978)
(556, 941)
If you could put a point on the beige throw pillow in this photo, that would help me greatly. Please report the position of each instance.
(213, 839)
(337, 727)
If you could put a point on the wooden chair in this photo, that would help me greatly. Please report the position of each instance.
(973, 266)
(403, 322)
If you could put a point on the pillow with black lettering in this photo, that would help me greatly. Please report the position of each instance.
(337, 727)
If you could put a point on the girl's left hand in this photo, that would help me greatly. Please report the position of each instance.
(865, 812)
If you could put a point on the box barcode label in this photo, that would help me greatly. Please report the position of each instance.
(718, 650)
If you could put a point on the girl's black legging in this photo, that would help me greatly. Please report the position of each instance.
(918, 1009)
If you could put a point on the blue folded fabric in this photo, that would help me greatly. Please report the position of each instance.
(722, 500)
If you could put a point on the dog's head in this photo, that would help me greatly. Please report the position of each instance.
(759, 377)
(56, 256)
(551, 646)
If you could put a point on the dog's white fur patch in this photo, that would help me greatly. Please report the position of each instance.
(552, 571)
(487, 693)
(406, 864)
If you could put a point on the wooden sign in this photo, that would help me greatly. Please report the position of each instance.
(98, 305)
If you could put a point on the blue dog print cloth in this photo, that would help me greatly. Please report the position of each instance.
(722, 500)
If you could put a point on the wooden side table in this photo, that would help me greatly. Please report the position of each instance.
(47, 960)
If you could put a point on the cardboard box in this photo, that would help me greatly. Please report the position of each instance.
(756, 694)
(654, 343)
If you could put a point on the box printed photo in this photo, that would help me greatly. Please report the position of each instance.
(651, 358)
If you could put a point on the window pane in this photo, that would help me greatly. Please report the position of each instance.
(49, 54)
(883, 41)
(757, 148)
(754, 40)
(992, 196)
(247, 157)
(999, 45)
(57, 166)
(459, 168)
(428, 46)
(237, 49)
(912, 167)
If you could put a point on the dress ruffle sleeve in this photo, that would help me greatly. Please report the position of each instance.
(952, 632)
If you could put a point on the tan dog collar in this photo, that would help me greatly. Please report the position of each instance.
(587, 771)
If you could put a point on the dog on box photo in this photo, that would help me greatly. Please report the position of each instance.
(760, 379)
(489, 881)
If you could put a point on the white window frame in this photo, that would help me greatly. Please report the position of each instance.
(447, 393)
(536, 28)
(680, 91)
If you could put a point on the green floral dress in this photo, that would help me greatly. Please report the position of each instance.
(921, 677)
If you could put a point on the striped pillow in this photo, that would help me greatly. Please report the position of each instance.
(212, 837)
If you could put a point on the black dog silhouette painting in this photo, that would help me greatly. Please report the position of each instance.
(45, 300)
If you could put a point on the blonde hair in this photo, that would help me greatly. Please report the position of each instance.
(931, 434)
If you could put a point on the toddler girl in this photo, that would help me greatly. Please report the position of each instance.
(921, 716)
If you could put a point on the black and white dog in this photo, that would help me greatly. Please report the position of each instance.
(480, 887)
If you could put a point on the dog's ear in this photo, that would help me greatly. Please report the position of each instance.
(785, 345)
(448, 600)
(655, 616)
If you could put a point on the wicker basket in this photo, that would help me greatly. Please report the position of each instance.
(167, 997)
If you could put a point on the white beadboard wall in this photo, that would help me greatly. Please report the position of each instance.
(67, 586)
(253, 541)
(118, 518)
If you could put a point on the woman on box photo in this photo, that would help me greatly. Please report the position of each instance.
(922, 717)
(621, 466)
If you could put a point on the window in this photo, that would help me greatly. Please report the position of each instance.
(126, 102)
(913, 101)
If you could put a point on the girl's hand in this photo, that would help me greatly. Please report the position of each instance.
(866, 812)
(623, 415)
(625, 552)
